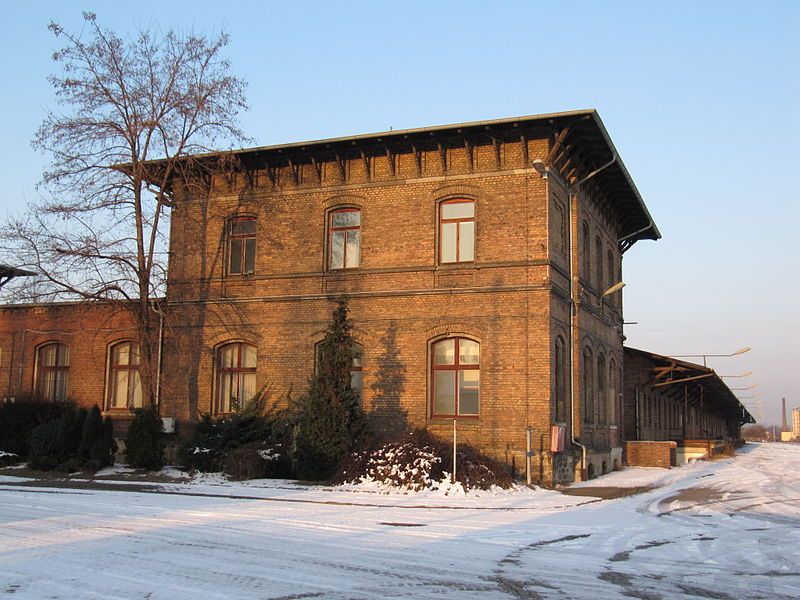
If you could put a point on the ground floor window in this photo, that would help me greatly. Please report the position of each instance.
(455, 378)
(236, 376)
(125, 389)
(52, 371)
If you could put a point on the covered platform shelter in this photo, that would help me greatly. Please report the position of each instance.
(666, 399)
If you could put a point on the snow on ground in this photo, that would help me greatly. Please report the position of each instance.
(725, 529)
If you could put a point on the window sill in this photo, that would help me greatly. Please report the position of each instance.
(440, 420)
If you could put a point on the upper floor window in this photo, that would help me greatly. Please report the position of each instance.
(457, 231)
(344, 238)
(586, 250)
(236, 376)
(125, 384)
(242, 245)
(52, 371)
(598, 258)
(456, 376)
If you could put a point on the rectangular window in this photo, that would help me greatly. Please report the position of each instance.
(457, 231)
(344, 242)
(456, 375)
(242, 246)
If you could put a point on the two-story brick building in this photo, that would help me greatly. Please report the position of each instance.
(481, 261)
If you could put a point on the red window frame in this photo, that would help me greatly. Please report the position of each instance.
(237, 369)
(344, 229)
(131, 367)
(241, 238)
(456, 366)
(58, 370)
(457, 220)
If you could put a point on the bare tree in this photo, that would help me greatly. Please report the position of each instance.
(134, 115)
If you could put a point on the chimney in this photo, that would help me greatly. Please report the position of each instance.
(783, 427)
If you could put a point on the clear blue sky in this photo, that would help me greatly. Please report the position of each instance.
(701, 98)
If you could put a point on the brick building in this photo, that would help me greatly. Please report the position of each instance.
(480, 261)
(675, 410)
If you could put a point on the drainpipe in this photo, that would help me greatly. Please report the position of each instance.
(545, 171)
(160, 354)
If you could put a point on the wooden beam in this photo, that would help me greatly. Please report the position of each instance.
(293, 171)
(391, 158)
(560, 137)
(442, 157)
(340, 164)
(367, 167)
(417, 159)
(524, 145)
(317, 169)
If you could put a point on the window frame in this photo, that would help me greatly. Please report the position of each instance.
(113, 368)
(588, 387)
(586, 244)
(456, 367)
(331, 229)
(458, 221)
(220, 371)
(58, 369)
(561, 380)
(243, 238)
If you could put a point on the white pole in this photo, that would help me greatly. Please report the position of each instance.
(528, 456)
(454, 450)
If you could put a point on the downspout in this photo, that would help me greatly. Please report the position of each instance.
(573, 305)
(160, 355)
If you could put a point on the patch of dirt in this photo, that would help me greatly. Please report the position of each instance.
(693, 590)
(622, 556)
(608, 492)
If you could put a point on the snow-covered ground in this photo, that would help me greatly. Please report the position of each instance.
(728, 529)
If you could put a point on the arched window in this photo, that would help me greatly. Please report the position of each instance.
(613, 393)
(588, 386)
(236, 376)
(344, 238)
(242, 245)
(125, 384)
(455, 378)
(560, 380)
(457, 231)
(586, 259)
(598, 267)
(52, 371)
(602, 400)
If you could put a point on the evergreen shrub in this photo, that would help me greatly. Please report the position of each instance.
(17, 421)
(328, 419)
(144, 444)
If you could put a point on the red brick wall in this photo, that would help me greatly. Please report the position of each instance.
(650, 454)
(89, 329)
(512, 298)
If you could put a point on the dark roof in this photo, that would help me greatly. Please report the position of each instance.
(586, 132)
(718, 397)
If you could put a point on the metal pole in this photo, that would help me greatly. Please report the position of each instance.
(454, 450)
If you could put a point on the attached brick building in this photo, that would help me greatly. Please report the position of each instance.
(674, 409)
(475, 257)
